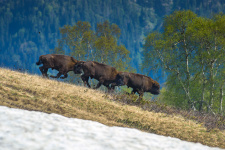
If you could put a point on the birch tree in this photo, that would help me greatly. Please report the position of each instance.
(191, 50)
(100, 44)
(172, 49)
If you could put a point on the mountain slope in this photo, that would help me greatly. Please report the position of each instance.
(32, 92)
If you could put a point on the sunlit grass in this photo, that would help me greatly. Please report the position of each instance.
(32, 92)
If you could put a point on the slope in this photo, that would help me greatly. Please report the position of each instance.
(31, 92)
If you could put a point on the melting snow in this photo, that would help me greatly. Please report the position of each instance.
(22, 129)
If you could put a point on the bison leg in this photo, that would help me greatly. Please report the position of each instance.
(85, 80)
(141, 93)
(57, 76)
(44, 71)
(110, 89)
(134, 91)
(113, 85)
(99, 84)
(101, 81)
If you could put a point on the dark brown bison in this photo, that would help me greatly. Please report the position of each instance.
(103, 73)
(139, 83)
(62, 63)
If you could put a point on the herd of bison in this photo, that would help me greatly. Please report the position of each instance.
(105, 74)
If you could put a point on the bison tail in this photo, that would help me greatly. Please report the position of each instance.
(74, 60)
(39, 62)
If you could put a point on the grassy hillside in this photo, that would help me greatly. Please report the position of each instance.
(31, 92)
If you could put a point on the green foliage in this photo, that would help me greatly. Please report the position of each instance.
(40, 20)
(191, 51)
(99, 45)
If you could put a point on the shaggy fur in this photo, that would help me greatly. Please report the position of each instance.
(62, 63)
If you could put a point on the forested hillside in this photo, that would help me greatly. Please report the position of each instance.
(30, 28)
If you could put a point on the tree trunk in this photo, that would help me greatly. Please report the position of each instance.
(187, 74)
(221, 100)
(211, 99)
(202, 97)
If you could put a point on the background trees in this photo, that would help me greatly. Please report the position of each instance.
(29, 29)
(191, 51)
(101, 44)
(23, 21)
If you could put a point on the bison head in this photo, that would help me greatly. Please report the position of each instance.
(78, 68)
(155, 88)
(124, 77)
(119, 80)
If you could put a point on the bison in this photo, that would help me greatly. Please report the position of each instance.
(62, 63)
(103, 73)
(139, 83)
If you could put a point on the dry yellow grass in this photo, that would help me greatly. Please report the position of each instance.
(32, 92)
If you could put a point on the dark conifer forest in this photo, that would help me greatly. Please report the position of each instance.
(31, 28)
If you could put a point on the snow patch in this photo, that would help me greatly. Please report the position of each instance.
(22, 129)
